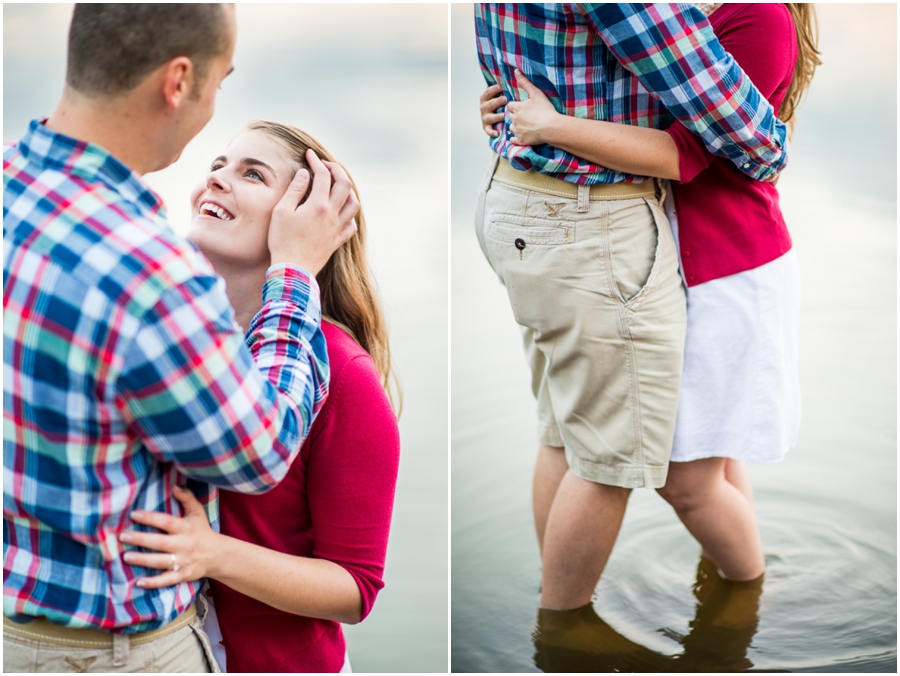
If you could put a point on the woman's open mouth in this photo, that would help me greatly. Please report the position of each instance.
(215, 211)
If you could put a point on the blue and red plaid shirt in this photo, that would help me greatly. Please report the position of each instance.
(640, 64)
(124, 369)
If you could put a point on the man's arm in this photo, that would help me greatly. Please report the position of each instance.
(674, 53)
(191, 392)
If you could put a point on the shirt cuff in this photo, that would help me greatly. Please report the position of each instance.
(292, 284)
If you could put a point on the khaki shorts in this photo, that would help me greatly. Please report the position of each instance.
(182, 646)
(594, 284)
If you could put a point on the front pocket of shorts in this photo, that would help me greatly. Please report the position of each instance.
(633, 249)
(531, 231)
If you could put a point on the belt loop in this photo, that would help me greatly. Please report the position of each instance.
(121, 647)
(660, 190)
(584, 198)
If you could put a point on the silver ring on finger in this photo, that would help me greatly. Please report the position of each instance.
(175, 565)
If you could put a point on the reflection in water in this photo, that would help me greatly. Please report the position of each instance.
(725, 620)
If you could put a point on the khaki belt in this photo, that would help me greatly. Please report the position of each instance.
(534, 180)
(43, 629)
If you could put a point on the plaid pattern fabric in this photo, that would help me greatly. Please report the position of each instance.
(640, 64)
(124, 369)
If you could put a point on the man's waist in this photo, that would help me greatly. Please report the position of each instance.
(536, 181)
(559, 164)
(42, 629)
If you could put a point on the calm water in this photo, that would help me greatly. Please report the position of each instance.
(827, 514)
(341, 72)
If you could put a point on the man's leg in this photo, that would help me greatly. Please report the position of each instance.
(581, 530)
(549, 469)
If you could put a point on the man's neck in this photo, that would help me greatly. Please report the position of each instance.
(121, 126)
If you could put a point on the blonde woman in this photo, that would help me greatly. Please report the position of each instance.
(292, 564)
(740, 397)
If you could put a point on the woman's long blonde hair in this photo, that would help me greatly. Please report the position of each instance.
(349, 299)
(804, 16)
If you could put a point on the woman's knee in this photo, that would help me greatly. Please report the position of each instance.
(686, 488)
(677, 495)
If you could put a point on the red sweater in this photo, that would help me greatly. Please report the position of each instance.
(727, 221)
(335, 504)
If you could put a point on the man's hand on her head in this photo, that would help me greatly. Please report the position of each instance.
(307, 235)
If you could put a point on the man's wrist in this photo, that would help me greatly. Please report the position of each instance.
(294, 284)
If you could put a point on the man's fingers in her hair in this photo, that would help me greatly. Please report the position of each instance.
(340, 183)
(348, 231)
(296, 190)
(321, 178)
(349, 210)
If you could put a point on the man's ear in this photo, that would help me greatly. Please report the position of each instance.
(178, 79)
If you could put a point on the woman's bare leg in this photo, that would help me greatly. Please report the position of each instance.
(736, 475)
(718, 514)
(549, 470)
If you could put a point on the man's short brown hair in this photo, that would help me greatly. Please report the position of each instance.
(113, 47)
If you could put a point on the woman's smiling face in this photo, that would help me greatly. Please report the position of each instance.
(232, 207)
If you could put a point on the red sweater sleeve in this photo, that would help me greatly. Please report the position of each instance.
(760, 53)
(354, 454)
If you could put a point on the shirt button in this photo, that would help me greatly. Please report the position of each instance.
(691, 278)
(687, 254)
(747, 165)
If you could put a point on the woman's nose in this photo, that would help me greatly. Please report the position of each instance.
(215, 180)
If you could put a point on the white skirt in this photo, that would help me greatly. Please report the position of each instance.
(740, 389)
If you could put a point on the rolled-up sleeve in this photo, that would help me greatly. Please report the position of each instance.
(673, 51)
(191, 392)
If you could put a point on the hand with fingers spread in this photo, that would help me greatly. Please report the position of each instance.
(307, 234)
(490, 101)
(532, 118)
(188, 550)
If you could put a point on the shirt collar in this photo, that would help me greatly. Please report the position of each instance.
(52, 150)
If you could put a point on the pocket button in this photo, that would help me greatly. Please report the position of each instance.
(520, 243)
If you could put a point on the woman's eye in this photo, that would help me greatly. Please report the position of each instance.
(253, 173)
(215, 166)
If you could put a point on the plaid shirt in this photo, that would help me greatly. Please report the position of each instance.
(124, 368)
(640, 64)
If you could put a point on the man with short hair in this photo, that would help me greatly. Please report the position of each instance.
(124, 368)
(587, 255)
